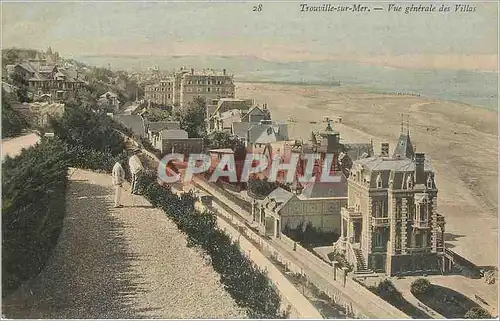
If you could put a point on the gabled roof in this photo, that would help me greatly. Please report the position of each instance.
(268, 133)
(225, 104)
(28, 67)
(277, 199)
(110, 93)
(240, 129)
(230, 113)
(46, 69)
(173, 134)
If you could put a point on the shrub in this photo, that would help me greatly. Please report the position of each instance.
(420, 286)
(243, 280)
(84, 128)
(13, 122)
(477, 313)
(262, 187)
(387, 291)
(33, 208)
(90, 139)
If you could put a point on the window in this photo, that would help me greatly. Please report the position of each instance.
(423, 212)
(168, 96)
(429, 182)
(379, 181)
(209, 89)
(398, 209)
(378, 239)
(397, 243)
(218, 89)
(409, 182)
(418, 240)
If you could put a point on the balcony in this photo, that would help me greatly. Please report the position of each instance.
(421, 224)
(425, 249)
(351, 213)
(380, 221)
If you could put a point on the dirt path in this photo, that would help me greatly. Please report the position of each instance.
(130, 262)
(13, 146)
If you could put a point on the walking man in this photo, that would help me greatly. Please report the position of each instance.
(118, 175)
(136, 169)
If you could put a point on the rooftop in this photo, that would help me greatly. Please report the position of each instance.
(377, 163)
(174, 134)
(317, 189)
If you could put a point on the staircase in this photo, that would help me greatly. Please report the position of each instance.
(361, 265)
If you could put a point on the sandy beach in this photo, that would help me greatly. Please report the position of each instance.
(460, 140)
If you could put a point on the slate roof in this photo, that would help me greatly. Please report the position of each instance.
(277, 199)
(173, 134)
(133, 122)
(404, 147)
(226, 104)
(317, 189)
(377, 163)
(240, 129)
(268, 133)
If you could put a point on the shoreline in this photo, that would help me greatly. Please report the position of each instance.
(365, 89)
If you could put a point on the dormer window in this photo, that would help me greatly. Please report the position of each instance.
(379, 181)
(409, 182)
(429, 182)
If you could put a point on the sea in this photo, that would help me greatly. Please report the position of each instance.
(475, 88)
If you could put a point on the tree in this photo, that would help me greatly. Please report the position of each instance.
(13, 122)
(22, 87)
(157, 114)
(192, 118)
(477, 313)
(420, 286)
(84, 128)
(218, 139)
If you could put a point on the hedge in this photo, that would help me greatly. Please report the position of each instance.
(33, 208)
(244, 281)
(477, 313)
(90, 139)
(420, 286)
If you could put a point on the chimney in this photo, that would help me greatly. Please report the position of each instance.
(192, 71)
(419, 168)
(224, 71)
(384, 150)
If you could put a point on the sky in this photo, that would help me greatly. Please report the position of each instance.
(280, 32)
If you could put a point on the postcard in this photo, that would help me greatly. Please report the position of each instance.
(246, 159)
